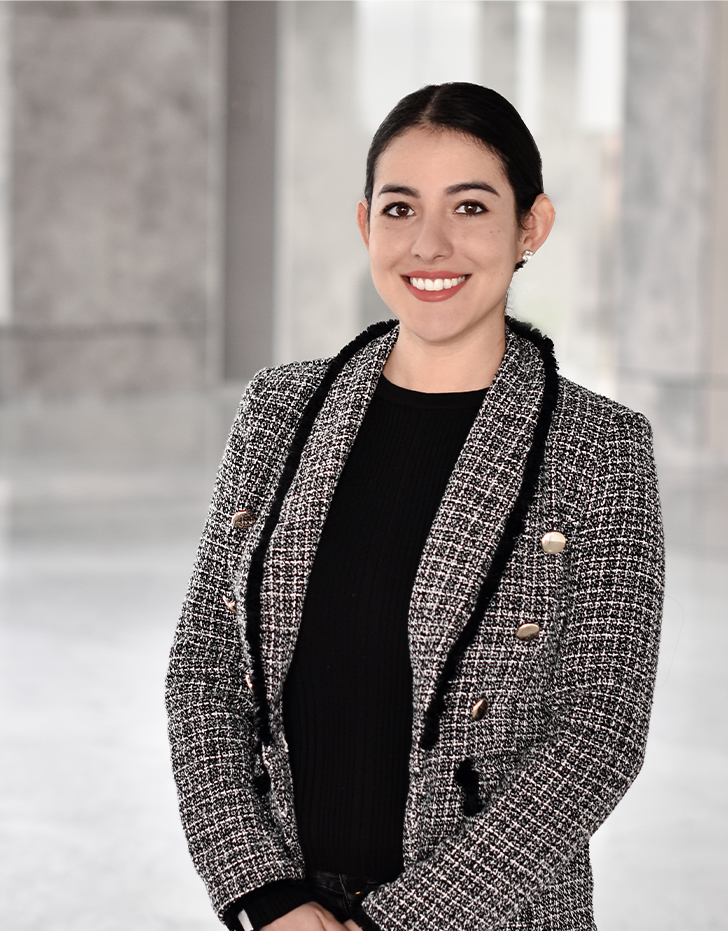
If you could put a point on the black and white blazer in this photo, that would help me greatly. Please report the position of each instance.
(503, 799)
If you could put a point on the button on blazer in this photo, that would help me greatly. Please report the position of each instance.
(529, 722)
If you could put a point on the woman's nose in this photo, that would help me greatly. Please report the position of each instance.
(432, 240)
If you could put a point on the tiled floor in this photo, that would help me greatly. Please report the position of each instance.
(101, 505)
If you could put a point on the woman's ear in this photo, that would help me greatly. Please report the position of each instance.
(539, 220)
(362, 220)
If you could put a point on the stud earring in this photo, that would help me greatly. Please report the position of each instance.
(527, 256)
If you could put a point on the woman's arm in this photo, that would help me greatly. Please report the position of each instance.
(561, 790)
(232, 838)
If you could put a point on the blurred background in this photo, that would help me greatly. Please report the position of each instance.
(178, 183)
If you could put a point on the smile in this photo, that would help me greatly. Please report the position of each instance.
(435, 284)
(426, 288)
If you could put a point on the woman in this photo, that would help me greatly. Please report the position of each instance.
(414, 669)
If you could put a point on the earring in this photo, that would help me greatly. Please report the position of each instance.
(527, 255)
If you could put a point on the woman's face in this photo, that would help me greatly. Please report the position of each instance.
(442, 234)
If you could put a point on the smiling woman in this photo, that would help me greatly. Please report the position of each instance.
(454, 234)
(414, 669)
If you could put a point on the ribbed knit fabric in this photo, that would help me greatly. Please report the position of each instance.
(348, 695)
(264, 905)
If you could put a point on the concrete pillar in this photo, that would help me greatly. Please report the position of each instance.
(5, 167)
(566, 289)
(665, 237)
(115, 158)
(250, 186)
(716, 420)
(320, 259)
(497, 47)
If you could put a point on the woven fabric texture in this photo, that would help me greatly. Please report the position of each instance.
(567, 712)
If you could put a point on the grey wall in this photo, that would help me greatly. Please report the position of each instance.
(115, 156)
(321, 263)
(184, 178)
(250, 192)
(716, 405)
(665, 236)
(565, 289)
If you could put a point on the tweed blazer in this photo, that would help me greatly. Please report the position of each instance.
(500, 809)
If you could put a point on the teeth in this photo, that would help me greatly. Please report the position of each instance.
(436, 284)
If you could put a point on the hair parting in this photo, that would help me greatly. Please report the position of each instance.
(474, 111)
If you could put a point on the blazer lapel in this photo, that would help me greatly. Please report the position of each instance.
(293, 544)
(470, 520)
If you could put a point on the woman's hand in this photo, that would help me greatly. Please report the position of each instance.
(309, 917)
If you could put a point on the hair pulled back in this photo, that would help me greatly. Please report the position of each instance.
(475, 111)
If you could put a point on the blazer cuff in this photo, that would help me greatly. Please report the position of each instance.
(264, 905)
(363, 920)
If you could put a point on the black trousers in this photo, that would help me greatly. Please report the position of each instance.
(338, 893)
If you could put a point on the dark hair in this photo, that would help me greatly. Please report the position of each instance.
(478, 112)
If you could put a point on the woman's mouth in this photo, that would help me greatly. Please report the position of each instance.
(431, 288)
(436, 284)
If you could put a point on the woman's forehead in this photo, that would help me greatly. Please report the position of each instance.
(443, 157)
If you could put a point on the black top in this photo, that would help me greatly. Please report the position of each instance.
(347, 701)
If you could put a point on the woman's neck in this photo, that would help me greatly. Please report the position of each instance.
(466, 364)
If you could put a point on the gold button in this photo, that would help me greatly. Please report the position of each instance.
(248, 681)
(553, 542)
(241, 520)
(231, 604)
(528, 631)
(479, 709)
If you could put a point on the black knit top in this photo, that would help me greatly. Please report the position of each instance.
(347, 701)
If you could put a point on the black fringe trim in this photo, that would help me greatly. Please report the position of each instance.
(467, 778)
(513, 528)
(257, 563)
(262, 783)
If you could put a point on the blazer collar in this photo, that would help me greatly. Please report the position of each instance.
(293, 543)
(469, 523)
(464, 534)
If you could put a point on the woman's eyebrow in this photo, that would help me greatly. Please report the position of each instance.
(398, 189)
(453, 189)
(471, 186)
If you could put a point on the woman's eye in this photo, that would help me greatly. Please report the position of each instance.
(398, 210)
(471, 208)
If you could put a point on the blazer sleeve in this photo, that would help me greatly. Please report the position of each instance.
(560, 791)
(232, 838)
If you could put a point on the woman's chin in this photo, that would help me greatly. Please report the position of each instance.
(438, 326)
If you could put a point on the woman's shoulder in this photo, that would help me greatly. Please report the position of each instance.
(269, 410)
(599, 447)
(281, 389)
(591, 428)
(581, 405)
(286, 382)
(577, 406)
(274, 398)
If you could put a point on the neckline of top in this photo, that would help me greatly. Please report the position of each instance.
(426, 400)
